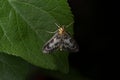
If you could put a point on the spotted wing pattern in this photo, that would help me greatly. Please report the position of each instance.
(52, 44)
(69, 44)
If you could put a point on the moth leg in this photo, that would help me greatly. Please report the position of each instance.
(69, 24)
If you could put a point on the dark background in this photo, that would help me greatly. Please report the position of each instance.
(92, 29)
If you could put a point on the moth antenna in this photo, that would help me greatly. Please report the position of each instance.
(57, 25)
(69, 24)
(51, 32)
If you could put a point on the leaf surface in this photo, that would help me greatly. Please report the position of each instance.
(23, 26)
(13, 68)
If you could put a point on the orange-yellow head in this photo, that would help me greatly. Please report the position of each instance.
(61, 30)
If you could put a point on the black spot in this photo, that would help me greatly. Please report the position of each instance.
(65, 37)
(47, 46)
(52, 41)
(58, 37)
(66, 44)
(56, 44)
(71, 40)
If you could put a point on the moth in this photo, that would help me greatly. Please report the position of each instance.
(62, 41)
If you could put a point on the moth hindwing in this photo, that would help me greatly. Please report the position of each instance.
(61, 41)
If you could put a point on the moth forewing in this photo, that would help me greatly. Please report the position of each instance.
(52, 44)
(69, 43)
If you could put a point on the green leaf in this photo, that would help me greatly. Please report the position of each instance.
(13, 68)
(23, 26)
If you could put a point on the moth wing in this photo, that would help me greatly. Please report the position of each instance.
(69, 43)
(52, 44)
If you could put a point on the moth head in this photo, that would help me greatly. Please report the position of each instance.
(61, 30)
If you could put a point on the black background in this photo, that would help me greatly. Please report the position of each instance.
(92, 30)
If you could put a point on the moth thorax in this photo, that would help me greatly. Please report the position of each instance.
(61, 30)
